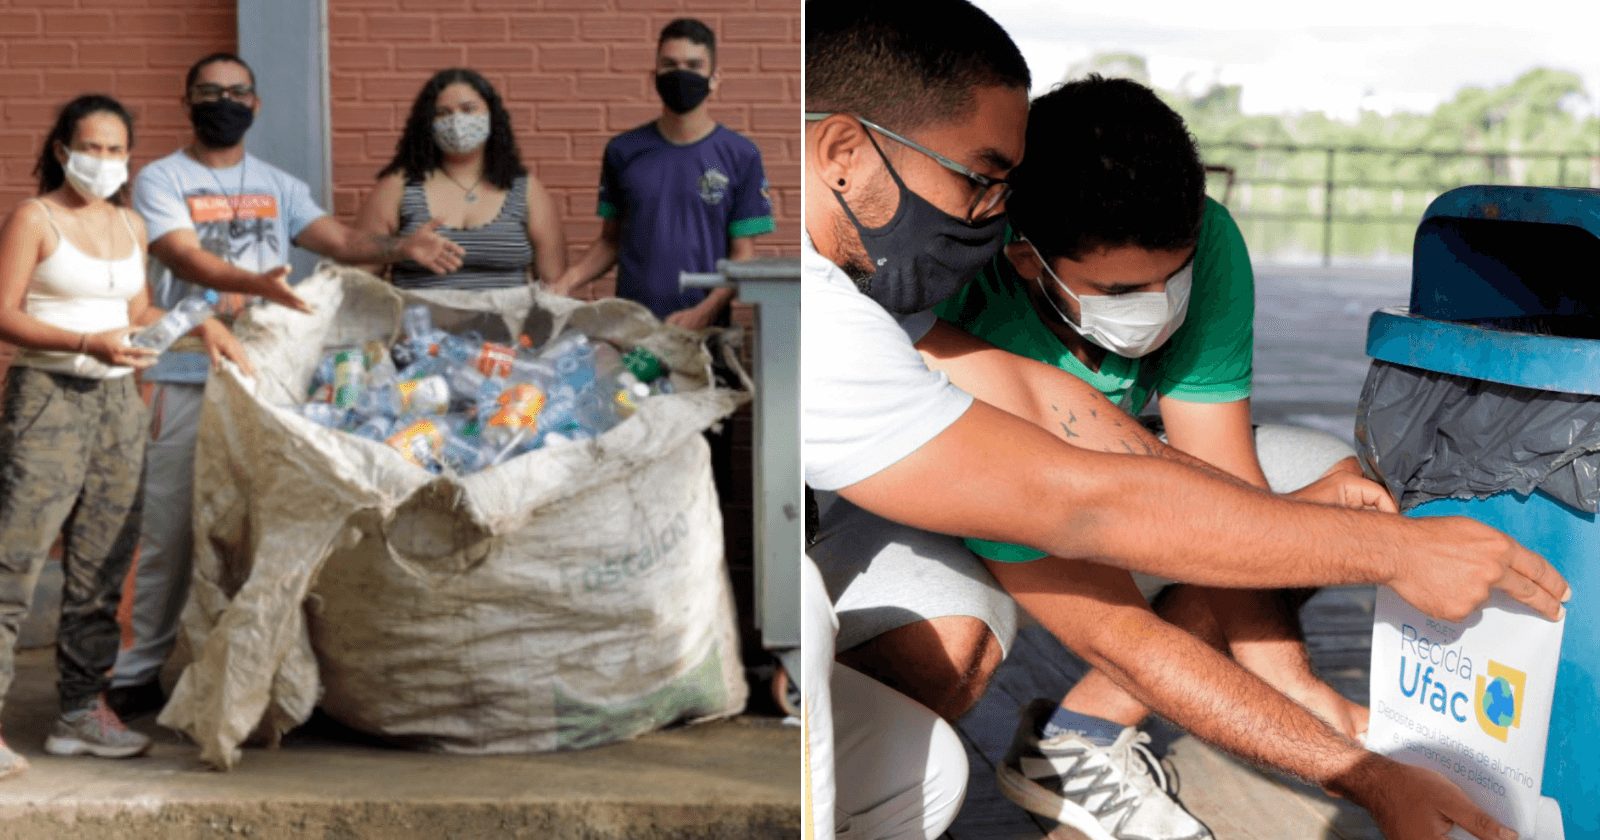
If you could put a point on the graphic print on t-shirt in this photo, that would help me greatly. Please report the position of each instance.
(242, 229)
(713, 185)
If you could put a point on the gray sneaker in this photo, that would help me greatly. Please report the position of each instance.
(1118, 792)
(94, 731)
(11, 763)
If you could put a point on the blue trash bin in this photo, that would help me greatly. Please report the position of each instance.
(1502, 339)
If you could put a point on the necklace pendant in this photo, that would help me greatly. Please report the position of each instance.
(472, 197)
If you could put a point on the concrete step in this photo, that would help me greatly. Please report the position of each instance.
(731, 779)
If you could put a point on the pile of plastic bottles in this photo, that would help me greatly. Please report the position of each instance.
(459, 403)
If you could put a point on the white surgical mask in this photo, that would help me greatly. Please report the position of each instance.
(1130, 325)
(461, 133)
(95, 177)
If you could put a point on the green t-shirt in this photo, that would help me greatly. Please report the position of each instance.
(1209, 359)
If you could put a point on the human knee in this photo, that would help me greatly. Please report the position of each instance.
(943, 663)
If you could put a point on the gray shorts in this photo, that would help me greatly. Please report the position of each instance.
(882, 575)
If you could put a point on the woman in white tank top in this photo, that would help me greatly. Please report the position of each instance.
(72, 427)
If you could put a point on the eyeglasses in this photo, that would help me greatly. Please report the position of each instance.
(212, 93)
(989, 195)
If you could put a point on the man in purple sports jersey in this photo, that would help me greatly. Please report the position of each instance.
(677, 193)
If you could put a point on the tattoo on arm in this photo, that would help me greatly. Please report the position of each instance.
(386, 247)
(1068, 429)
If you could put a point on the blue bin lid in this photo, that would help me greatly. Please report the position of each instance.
(1545, 362)
(1496, 252)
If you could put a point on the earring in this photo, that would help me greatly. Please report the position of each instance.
(841, 182)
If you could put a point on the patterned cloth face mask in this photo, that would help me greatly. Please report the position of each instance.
(459, 134)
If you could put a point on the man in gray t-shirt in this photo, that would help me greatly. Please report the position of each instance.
(220, 219)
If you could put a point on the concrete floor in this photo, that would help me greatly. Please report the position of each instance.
(731, 779)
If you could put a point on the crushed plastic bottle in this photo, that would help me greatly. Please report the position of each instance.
(177, 323)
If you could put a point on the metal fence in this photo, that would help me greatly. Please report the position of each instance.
(1339, 185)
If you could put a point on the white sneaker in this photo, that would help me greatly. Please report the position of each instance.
(1119, 792)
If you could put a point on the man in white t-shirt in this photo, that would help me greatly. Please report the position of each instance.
(915, 115)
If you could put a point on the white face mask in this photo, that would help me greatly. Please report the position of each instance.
(1131, 325)
(95, 177)
(461, 133)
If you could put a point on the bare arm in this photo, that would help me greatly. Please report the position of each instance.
(992, 475)
(544, 231)
(1099, 612)
(380, 213)
(599, 259)
(1221, 434)
(181, 251)
(332, 238)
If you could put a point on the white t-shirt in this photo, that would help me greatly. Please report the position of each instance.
(869, 400)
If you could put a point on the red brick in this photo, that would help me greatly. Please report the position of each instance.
(649, 5)
(736, 117)
(81, 81)
(344, 86)
(15, 23)
(43, 54)
(352, 5)
(398, 89)
(775, 118)
(544, 146)
(589, 147)
(365, 57)
(784, 57)
(757, 27)
(22, 82)
(584, 57)
(385, 27)
(210, 23)
(492, 28)
(149, 83)
(21, 143)
(148, 23)
(39, 115)
(543, 27)
(118, 55)
(363, 116)
(500, 57)
(346, 203)
(737, 58)
(633, 58)
(570, 117)
(342, 25)
(77, 23)
(753, 89)
(428, 60)
(613, 87)
(612, 27)
(623, 116)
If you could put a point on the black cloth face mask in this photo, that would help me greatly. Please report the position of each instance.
(222, 123)
(682, 91)
(922, 255)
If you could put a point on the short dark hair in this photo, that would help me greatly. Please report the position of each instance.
(215, 58)
(1108, 165)
(692, 30)
(50, 172)
(905, 63)
(416, 154)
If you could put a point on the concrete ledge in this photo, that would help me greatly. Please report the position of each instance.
(732, 779)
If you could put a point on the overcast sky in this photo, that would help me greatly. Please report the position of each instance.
(1306, 55)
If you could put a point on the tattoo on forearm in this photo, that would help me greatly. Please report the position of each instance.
(388, 247)
(1068, 429)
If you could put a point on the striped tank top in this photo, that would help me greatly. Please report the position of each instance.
(498, 253)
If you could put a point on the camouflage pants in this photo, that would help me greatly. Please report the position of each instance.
(71, 451)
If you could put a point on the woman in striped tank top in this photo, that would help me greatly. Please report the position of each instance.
(72, 427)
(457, 166)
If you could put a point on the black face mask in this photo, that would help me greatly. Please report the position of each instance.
(922, 255)
(222, 123)
(682, 91)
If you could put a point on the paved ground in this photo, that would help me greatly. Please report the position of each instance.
(1310, 363)
(734, 779)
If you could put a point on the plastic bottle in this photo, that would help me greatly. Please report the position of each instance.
(417, 323)
(349, 377)
(421, 442)
(463, 455)
(375, 428)
(323, 414)
(426, 396)
(513, 419)
(177, 323)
